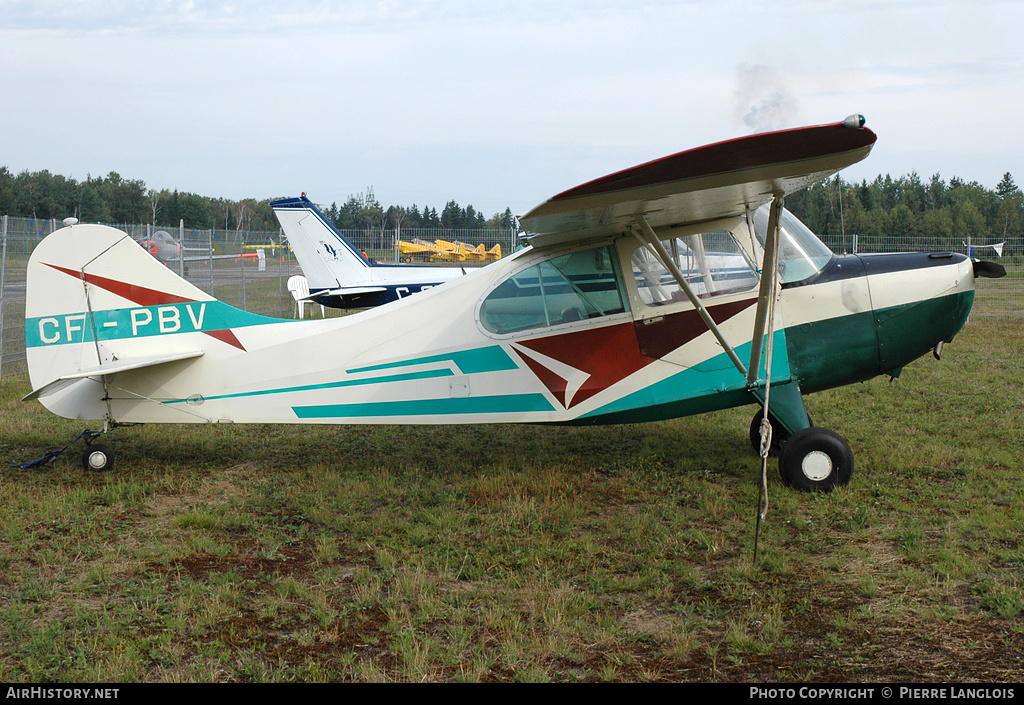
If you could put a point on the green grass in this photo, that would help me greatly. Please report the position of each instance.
(518, 553)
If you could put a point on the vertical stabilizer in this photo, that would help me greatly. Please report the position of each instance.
(327, 259)
(97, 306)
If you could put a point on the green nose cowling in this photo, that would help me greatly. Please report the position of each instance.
(905, 333)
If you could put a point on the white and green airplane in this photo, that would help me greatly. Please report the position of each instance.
(672, 288)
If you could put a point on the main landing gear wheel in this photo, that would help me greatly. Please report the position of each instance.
(97, 458)
(779, 434)
(816, 460)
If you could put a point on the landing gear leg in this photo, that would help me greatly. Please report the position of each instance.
(787, 414)
(779, 433)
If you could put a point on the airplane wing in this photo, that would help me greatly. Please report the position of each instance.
(206, 258)
(702, 184)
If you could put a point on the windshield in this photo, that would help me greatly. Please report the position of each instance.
(802, 255)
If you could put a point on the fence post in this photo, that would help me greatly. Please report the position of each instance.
(3, 287)
(241, 263)
(279, 260)
(209, 248)
(181, 248)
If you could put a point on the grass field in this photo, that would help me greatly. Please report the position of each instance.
(508, 553)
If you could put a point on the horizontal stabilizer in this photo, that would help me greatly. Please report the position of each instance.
(347, 291)
(109, 368)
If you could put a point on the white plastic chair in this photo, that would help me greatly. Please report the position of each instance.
(299, 288)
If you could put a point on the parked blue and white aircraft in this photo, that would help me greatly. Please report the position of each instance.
(672, 288)
(341, 276)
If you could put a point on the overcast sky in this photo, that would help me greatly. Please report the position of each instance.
(493, 103)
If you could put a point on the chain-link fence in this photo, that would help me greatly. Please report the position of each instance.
(250, 269)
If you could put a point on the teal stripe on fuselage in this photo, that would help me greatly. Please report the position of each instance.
(502, 404)
(489, 359)
(138, 322)
(428, 374)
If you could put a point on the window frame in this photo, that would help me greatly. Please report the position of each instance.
(741, 234)
(540, 258)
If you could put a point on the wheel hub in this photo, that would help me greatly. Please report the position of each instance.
(816, 465)
(97, 459)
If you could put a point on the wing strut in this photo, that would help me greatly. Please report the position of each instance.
(769, 276)
(648, 236)
(764, 317)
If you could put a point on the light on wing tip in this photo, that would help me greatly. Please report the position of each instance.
(856, 121)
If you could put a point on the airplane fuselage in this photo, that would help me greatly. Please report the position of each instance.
(674, 287)
(542, 337)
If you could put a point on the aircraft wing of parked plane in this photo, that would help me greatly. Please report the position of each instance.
(673, 288)
(168, 250)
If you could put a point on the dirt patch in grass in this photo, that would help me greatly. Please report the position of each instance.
(819, 633)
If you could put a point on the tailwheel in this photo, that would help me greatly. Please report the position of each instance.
(97, 458)
(816, 460)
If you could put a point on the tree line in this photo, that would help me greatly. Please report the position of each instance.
(913, 209)
(905, 207)
(115, 199)
(365, 212)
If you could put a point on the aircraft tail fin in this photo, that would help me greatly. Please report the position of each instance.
(98, 305)
(328, 260)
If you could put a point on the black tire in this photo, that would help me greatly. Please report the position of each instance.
(779, 434)
(816, 460)
(97, 458)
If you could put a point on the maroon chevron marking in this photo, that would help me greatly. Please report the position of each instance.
(611, 353)
(144, 296)
(555, 384)
(132, 292)
(607, 354)
(659, 338)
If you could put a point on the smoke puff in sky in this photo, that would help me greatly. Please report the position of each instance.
(767, 102)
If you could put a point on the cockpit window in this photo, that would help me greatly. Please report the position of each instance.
(573, 287)
(713, 264)
(802, 255)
